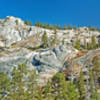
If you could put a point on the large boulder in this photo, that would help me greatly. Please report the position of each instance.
(51, 61)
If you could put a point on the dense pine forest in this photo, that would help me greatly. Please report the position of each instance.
(22, 85)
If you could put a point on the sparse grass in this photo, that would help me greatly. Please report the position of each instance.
(34, 48)
(13, 44)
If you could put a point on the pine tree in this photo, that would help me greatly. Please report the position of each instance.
(74, 27)
(22, 72)
(45, 40)
(55, 40)
(39, 94)
(81, 87)
(93, 88)
(72, 94)
(98, 42)
(4, 85)
(96, 69)
(48, 91)
(77, 45)
(91, 81)
(96, 63)
(59, 86)
(51, 27)
(18, 82)
(37, 24)
(54, 27)
(91, 28)
(89, 47)
(93, 42)
(65, 27)
(85, 44)
(31, 87)
(16, 22)
(70, 27)
(58, 27)
(27, 23)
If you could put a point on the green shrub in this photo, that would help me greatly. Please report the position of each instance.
(16, 22)
(65, 27)
(28, 23)
(69, 27)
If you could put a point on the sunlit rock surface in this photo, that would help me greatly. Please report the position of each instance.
(16, 39)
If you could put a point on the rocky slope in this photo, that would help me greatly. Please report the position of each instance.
(16, 37)
(47, 62)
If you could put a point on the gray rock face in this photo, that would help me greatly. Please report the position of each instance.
(10, 60)
(50, 62)
(12, 31)
(20, 38)
(51, 59)
(47, 62)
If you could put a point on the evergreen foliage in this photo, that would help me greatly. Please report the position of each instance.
(16, 22)
(71, 92)
(81, 87)
(45, 40)
(47, 26)
(28, 22)
(23, 86)
(87, 45)
(94, 76)
(77, 45)
(91, 28)
(74, 27)
(70, 27)
(58, 26)
(93, 42)
(65, 27)
(4, 85)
